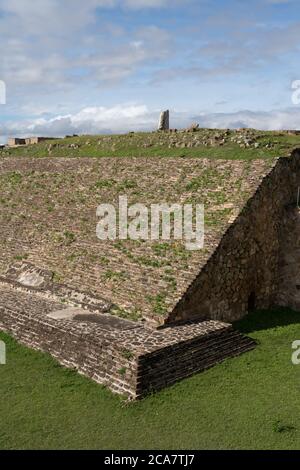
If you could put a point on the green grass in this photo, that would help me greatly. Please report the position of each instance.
(251, 401)
(147, 144)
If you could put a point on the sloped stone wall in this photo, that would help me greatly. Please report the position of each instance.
(244, 271)
(48, 218)
(288, 294)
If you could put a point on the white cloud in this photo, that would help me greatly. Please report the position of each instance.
(92, 120)
(269, 120)
(58, 53)
(118, 61)
(54, 44)
(241, 51)
(134, 117)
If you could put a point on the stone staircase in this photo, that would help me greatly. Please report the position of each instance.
(168, 365)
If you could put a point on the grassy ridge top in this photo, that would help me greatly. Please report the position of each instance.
(209, 143)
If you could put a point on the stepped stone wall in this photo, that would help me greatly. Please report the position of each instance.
(126, 356)
(244, 271)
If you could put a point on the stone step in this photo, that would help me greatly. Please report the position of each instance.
(196, 358)
(168, 368)
(127, 357)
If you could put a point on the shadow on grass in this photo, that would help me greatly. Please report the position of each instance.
(267, 319)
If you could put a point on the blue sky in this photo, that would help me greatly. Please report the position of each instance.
(112, 65)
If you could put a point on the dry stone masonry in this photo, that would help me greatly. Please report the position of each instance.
(247, 270)
(139, 315)
(126, 356)
(53, 223)
(15, 142)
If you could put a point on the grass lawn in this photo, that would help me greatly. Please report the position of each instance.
(145, 144)
(247, 402)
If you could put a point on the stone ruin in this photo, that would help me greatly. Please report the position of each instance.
(164, 121)
(138, 317)
(15, 141)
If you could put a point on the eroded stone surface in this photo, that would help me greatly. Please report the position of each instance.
(106, 321)
(244, 271)
(67, 313)
(141, 278)
(31, 279)
(41, 281)
(289, 259)
(164, 119)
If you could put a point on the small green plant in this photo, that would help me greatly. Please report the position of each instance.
(215, 218)
(69, 237)
(280, 427)
(56, 277)
(114, 275)
(127, 184)
(122, 371)
(153, 263)
(171, 281)
(158, 303)
(134, 314)
(21, 257)
(127, 354)
(14, 178)
(65, 238)
(72, 257)
(160, 249)
(105, 183)
(50, 208)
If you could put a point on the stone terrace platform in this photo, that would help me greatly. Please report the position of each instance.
(126, 356)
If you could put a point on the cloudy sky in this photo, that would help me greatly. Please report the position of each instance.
(91, 66)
